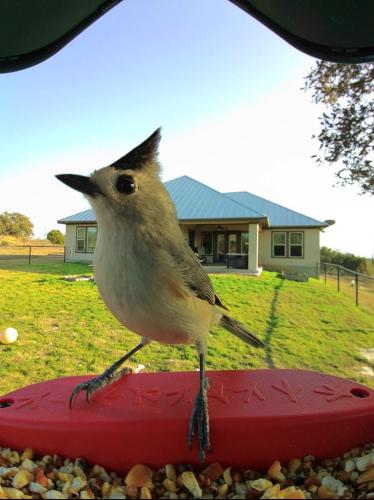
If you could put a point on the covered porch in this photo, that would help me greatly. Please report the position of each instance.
(225, 244)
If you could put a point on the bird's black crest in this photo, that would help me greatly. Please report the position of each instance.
(142, 154)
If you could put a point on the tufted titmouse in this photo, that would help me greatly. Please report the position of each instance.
(145, 271)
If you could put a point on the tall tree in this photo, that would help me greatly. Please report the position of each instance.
(347, 125)
(15, 224)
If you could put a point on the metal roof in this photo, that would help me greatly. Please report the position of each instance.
(86, 216)
(197, 201)
(279, 216)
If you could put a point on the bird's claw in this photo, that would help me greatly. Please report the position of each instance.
(92, 385)
(89, 386)
(199, 423)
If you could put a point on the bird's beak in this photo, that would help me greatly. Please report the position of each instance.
(80, 183)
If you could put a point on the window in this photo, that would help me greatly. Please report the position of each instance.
(81, 239)
(279, 244)
(244, 242)
(91, 238)
(86, 239)
(289, 244)
(296, 245)
(207, 242)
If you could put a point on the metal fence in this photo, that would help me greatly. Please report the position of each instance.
(359, 286)
(32, 253)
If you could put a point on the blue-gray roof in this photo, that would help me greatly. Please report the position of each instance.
(279, 216)
(86, 216)
(197, 201)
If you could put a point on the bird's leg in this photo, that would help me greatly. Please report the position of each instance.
(199, 421)
(106, 378)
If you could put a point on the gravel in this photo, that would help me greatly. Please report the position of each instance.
(26, 475)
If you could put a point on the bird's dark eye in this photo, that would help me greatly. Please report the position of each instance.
(125, 184)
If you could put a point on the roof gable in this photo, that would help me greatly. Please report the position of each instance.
(194, 201)
(278, 215)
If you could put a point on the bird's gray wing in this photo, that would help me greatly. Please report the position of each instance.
(195, 277)
(188, 265)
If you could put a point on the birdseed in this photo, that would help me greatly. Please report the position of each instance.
(24, 475)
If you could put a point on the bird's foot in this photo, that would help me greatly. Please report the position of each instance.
(199, 423)
(92, 385)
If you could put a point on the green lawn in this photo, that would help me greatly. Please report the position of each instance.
(64, 328)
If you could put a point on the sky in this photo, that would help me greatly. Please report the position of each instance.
(225, 89)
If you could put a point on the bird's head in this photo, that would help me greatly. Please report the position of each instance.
(130, 187)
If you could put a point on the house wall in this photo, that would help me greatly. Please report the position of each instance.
(307, 264)
(70, 245)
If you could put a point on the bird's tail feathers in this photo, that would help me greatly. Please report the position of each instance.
(240, 331)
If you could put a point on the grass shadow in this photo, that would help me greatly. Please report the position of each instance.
(272, 323)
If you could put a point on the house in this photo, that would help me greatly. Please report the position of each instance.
(238, 228)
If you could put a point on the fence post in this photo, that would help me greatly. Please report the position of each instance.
(325, 271)
(356, 289)
(30, 254)
(338, 271)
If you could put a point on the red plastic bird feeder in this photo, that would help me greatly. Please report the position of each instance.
(255, 417)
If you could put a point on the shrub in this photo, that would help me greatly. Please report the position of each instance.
(55, 237)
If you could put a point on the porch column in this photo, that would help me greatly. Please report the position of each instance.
(253, 233)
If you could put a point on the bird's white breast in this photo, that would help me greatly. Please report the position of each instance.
(136, 284)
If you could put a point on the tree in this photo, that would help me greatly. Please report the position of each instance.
(347, 260)
(56, 237)
(347, 125)
(15, 224)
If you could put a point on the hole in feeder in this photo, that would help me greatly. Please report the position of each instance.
(359, 392)
(4, 403)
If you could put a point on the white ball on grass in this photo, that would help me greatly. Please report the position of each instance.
(8, 336)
